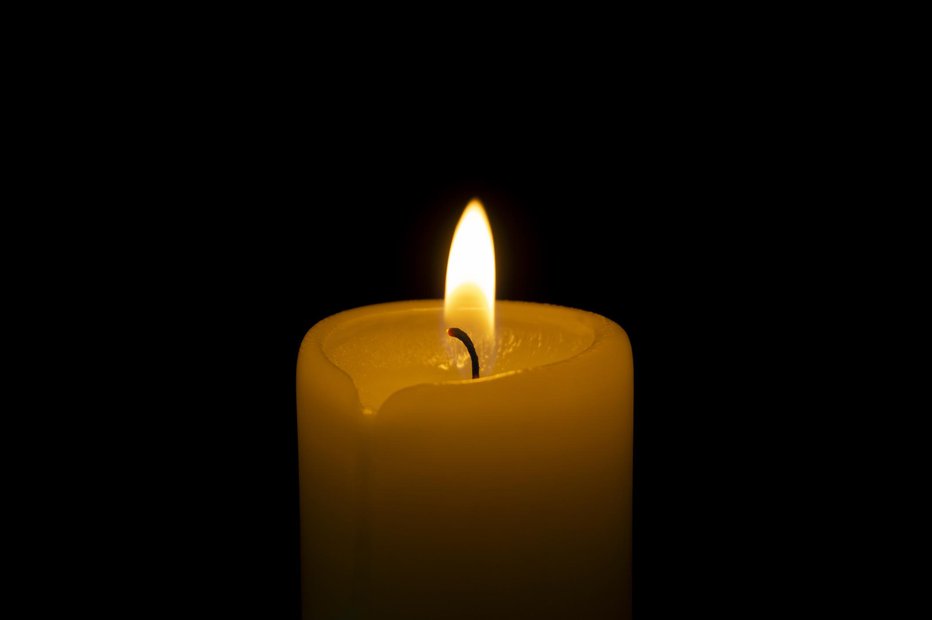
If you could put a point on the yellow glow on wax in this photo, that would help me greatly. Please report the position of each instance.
(470, 288)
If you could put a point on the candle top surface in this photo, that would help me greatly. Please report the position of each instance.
(388, 347)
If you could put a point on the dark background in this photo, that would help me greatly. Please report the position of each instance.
(676, 230)
(190, 214)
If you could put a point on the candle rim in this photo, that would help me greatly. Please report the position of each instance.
(318, 335)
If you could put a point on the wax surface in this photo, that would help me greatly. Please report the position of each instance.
(385, 352)
(425, 495)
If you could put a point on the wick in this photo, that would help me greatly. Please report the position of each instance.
(459, 334)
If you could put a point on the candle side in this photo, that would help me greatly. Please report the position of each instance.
(424, 495)
(330, 457)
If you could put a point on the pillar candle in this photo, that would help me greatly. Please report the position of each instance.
(426, 494)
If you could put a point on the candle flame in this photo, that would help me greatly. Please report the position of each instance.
(469, 302)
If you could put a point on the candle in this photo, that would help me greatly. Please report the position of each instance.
(428, 494)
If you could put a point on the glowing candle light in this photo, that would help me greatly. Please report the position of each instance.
(428, 494)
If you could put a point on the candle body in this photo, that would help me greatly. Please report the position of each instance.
(424, 495)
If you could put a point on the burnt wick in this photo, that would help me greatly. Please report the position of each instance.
(459, 334)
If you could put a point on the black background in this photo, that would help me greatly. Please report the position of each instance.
(189, 211)
(676, 230)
